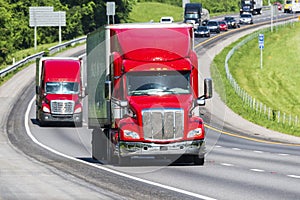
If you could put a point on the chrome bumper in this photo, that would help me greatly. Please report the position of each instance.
(125, 149)
(76, 117)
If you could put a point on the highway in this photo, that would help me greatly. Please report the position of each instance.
(238, 165)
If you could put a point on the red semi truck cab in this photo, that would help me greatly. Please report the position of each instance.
(146, 95)
(59, 90)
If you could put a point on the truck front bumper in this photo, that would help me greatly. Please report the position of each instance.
(77, 117)
(129, 149)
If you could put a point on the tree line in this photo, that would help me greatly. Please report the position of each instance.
(82, 17)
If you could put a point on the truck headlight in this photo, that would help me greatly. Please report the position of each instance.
(131, 134)
(195, 133)
(78, 110)
(46, 109)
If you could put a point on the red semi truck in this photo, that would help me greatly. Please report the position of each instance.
(143, 91)
(59, 90)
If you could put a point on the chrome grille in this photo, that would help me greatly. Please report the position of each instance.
(62, 107)
(163, 124)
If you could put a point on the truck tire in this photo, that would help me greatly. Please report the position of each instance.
(42, 123)
(198, 160)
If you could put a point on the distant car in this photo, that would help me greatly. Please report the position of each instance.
(204, 22)
(278, 4)
(202, 31)
(231, 22)
(223, 25)
(166, 20)
(213, 26)
(246, 19)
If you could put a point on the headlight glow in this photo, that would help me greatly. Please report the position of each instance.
(131, 134)
(45, 109)
(78, 110)
(195, 133)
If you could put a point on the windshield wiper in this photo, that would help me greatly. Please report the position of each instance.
(139, 93)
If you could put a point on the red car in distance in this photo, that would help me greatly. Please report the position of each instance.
(223, 25)
(279, 5)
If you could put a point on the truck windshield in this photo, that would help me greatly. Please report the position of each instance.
(158, 83)
(62, 88)
(246, 2)
(191, 16)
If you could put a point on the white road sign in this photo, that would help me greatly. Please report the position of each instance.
(110, 8)
(44, 16)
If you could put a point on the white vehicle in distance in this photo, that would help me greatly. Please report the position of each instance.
(166, 20)
(246, 19)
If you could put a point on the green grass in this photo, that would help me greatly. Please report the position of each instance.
(274, 85)
(25, 53)
(145, 12)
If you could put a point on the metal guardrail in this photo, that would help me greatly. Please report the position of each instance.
(52, 50)
(254, 104)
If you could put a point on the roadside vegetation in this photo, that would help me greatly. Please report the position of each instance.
(145, 12)
(276, 84)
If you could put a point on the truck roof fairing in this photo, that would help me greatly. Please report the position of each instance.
(54, 72)
(141, 42)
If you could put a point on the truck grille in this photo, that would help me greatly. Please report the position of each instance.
(163, 124)
(62, 107)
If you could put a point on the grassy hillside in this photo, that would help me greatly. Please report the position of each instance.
(276, 84)
(145, 12)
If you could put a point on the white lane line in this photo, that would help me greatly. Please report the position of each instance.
(218, 146)
(227, 164)
(258, 151)
(236, 149)
(294, 176)
(104, 168)
(257, 170)
(283, 154)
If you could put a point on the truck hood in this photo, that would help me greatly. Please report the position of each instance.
(70, 97)
(138, 103)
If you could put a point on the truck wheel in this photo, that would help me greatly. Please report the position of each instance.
(42, 123)
(198, 161)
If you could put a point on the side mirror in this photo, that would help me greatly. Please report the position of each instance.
(208, 88)
(83, 92)
(37, 89)
(200, 101)
(108, 89)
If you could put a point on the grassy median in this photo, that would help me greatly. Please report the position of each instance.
(275, 84)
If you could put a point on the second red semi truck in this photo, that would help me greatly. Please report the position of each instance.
(59, 90)
(143, 91)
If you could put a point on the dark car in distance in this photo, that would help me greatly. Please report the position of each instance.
(213, 26)
(202, 31)
(231, 22)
